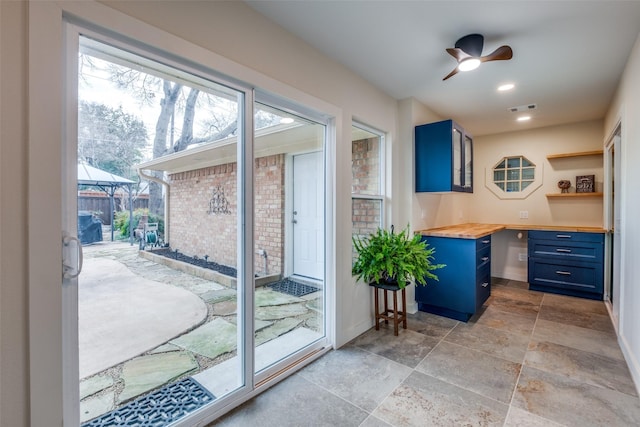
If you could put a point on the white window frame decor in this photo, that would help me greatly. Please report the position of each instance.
(500, 187)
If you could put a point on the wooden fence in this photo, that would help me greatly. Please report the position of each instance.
(98, 203)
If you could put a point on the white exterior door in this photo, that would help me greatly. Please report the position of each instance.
(308, 215)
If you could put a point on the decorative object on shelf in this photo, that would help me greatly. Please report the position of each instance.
(394, 259)
(585, 184)
(564, 185)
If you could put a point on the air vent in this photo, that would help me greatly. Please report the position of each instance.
(521, 108)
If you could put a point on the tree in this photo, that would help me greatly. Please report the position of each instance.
(186, 115)
(175, 99)
(110, 139)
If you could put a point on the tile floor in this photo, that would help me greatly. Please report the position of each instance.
(529, 359)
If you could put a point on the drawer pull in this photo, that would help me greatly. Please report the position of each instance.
(485, 258)
(485, 284)
(486, 241)
(563, 236)
(564, 273)
(568, 251)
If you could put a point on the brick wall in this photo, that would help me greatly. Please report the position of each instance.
(366, 214)
(195, 230)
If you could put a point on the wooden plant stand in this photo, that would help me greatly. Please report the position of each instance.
(387, 314)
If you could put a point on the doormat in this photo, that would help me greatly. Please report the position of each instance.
(157, 409)
(291, 287)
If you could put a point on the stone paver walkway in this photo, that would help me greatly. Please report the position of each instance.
(196, 350)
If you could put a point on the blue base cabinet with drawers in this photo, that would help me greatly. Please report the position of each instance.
(464, 284)
(568, 263)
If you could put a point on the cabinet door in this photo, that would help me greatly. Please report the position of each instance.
(468, 163)
(458, 150)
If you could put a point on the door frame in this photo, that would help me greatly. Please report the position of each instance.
(614, 307)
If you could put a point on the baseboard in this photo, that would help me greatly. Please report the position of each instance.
(632, 361)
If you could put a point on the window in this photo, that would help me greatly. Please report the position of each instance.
(514, 174)
(367, 180)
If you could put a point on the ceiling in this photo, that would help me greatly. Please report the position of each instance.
(568, 56)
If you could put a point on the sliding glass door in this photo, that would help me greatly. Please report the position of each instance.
(196, 224)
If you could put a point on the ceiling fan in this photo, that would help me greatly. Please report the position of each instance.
(468, 53)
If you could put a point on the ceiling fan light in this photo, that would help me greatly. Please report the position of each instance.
(469, 64)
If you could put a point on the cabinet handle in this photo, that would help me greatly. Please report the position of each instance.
(486, 241)
(563, 250)
(485, 284)
(563, 236)
(484, 258)
(564, 273)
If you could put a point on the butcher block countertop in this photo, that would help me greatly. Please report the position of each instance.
(476, 231)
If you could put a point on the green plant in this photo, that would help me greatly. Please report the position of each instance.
(121, 221)
(385, 256)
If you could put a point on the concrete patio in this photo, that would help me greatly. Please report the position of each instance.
(143, 325)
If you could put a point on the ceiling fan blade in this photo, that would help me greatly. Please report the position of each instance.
(457, 53)
(500, 54)
(451, 74)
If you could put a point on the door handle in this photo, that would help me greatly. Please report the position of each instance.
(67, 270)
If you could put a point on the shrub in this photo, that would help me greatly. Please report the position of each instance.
(121, 221)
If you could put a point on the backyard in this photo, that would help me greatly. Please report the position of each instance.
(143, 325)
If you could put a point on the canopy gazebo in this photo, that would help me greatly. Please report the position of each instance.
(109, 183)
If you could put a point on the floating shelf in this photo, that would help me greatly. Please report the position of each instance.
(579, 154)
(558, 195)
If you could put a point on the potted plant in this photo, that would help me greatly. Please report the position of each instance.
(394, 259)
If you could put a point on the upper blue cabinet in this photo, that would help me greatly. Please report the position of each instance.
(444, 158)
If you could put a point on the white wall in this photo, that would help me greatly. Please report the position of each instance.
(535, 145)
(626, 107)
(14, 357)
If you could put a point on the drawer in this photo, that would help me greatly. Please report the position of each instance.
(483, 257)
(584, 277)
(567, 236)
(483, 242)
(569, 250)
(483, 286)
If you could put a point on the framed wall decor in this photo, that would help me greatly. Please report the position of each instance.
(585, 184)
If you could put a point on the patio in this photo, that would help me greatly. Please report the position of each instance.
(143, 325)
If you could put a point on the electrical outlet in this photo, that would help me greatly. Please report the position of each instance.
(522, 256)
(524, 214)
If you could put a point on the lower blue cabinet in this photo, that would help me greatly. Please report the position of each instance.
(568, 263)
(464, 284)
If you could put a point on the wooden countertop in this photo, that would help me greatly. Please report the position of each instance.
(464, 231)
(476, 230)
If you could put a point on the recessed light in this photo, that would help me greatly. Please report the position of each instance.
(506, 87)
(523, 118)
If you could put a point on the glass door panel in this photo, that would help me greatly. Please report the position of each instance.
(160, 312)
(289, 235)
(468, 162)
(457, 158)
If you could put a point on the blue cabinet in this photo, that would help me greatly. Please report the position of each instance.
(464, 284)
(443, 158)
(568, 263)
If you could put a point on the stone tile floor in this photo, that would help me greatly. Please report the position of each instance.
(529, 359)
(194, 351)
